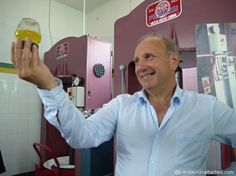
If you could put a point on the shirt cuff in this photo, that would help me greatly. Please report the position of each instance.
(53, 97)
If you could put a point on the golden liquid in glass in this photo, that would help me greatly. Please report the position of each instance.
(24, 33)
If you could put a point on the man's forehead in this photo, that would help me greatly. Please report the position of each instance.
(151, 43)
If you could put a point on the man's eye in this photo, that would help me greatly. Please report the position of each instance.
(135, 61)
(148, 56)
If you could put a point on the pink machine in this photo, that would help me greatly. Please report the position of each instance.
(172, 18)
(84, 66)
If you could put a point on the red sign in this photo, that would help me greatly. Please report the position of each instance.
(162, 11)
(206, 84)
(62, 50)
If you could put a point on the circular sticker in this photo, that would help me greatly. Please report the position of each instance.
(162, 9)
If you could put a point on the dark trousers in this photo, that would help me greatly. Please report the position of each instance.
(2, 167)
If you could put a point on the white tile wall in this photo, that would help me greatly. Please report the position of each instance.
(20, 107)
(20, 120)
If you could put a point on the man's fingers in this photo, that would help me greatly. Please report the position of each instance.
(25, 58)
(26, 55)
(35, 56)
(12, 54)
(17, 53)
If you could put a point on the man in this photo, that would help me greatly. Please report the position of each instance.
(160, 131)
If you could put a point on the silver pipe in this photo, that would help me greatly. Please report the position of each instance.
(122, 69)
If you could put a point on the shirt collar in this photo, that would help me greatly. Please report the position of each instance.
(176, 98)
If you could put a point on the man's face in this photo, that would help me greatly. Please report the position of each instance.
(153, 67)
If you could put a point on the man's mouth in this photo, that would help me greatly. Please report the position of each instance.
(146, 75)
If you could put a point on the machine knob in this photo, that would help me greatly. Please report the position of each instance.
(122, 67)
(76, 81)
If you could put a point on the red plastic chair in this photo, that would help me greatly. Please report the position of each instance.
(40, 170)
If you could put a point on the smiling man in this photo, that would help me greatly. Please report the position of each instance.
(155, 69)
(160, 131)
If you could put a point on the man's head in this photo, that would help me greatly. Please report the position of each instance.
(156, 59)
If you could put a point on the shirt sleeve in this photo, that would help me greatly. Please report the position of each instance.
(224, 120)
(70, 121)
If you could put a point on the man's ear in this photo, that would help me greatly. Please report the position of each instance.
(175, 60)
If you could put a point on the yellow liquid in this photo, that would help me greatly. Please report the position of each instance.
(34, 36)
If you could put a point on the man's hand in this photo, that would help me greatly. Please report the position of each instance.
(28, 65)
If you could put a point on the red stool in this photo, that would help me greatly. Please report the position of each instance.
(41, 170)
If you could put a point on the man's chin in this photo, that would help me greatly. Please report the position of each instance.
(148, 88)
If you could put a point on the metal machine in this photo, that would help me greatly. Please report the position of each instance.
(84, 66)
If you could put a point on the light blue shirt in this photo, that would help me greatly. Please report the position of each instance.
(177, 146)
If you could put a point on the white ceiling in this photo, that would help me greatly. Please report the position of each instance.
(78, 4)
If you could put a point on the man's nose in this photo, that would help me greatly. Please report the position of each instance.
(141, 64)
